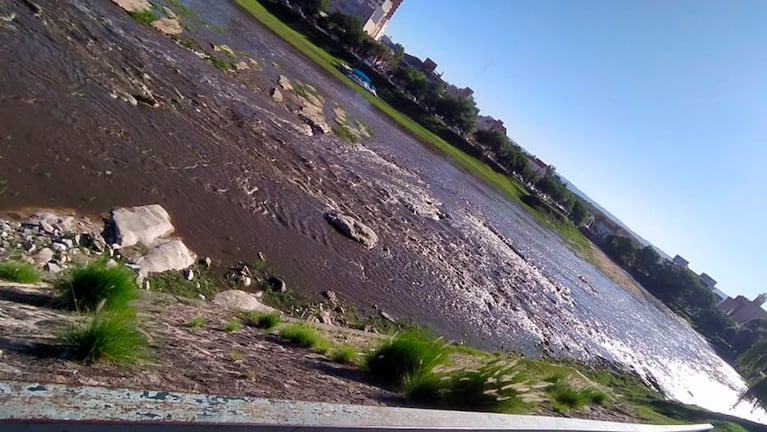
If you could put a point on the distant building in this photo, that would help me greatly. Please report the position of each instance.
(743, 310)
(429, 66)
(374, 14)
(465, 92)
(707, 281)
(539, 167)
(488, 123)
(681, 262)
(720, 295)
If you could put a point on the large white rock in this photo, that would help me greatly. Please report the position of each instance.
(352, 228)
(170, 255)
(240, 300)
(145, 224)
(168, 26)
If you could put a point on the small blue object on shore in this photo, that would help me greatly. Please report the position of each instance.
(362, 79)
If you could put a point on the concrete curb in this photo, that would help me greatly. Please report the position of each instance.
(54, 407)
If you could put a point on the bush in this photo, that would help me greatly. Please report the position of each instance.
(344, 354)
(83, 288)
(410, 353)
(485, 389)
(106, 336)
(563, 397)
(17, 271)
(263, 320)
(304, 336)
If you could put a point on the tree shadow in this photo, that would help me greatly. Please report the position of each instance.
(37, 349)
(33, 299)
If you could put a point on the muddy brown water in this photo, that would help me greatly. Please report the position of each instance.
(238, 179)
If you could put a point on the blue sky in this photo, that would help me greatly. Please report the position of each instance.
(655, 109)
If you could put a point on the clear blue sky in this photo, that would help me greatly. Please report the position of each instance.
(655, 109)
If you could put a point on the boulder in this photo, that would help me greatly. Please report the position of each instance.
(134, 5)
(352, 228)
(168, 26)
(145, 224)
(331, 296)
(42, 257)
(170, 255)
(277, 284)
(240, 300)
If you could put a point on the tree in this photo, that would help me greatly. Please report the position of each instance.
(647, 260)
(458, 111)
(580, 213)
(622, 249)
(312, 8)
(348, 28)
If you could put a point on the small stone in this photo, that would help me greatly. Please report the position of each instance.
(46, 227)
(52, 267)
(147, 285)
(284, 83)
(276, 95)
(387, 317)
(207, 262)
(326, 318)
(201, 297)
(59, 247)
(277, 285)
(331, 296)
(246, 281)
(111, 263)
(29, 246)
(188, 274)
(241, 66)
(68, 242)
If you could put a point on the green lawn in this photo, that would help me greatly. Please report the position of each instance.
(506, 185)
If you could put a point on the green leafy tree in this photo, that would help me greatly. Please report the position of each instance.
(647, 259)
(348, 28)
(579, 213)
(458, 111)
(312, 8)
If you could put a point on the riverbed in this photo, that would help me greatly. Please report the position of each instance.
(239, 176)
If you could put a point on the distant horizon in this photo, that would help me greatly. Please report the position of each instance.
(657, 111)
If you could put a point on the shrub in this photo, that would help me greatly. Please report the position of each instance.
(304, 336)
(344, 354)
(410, 353)
(17, 271)
(485, 389)
(106, 336)
(564, 397)
(232, 326)
(263, 320)
(423, 387)
(196, 322)
(83, 288)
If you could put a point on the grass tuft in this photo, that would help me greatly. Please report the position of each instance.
(146, 17)
(344, 133)
(174, 282)
(84, 288)
(196, 323)
(345, 354)
(564, 397)
(106, 336)
(262, 320)
(232, 325)
(407, 354)
(17, 271)
(305, 336)
(218, 63)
